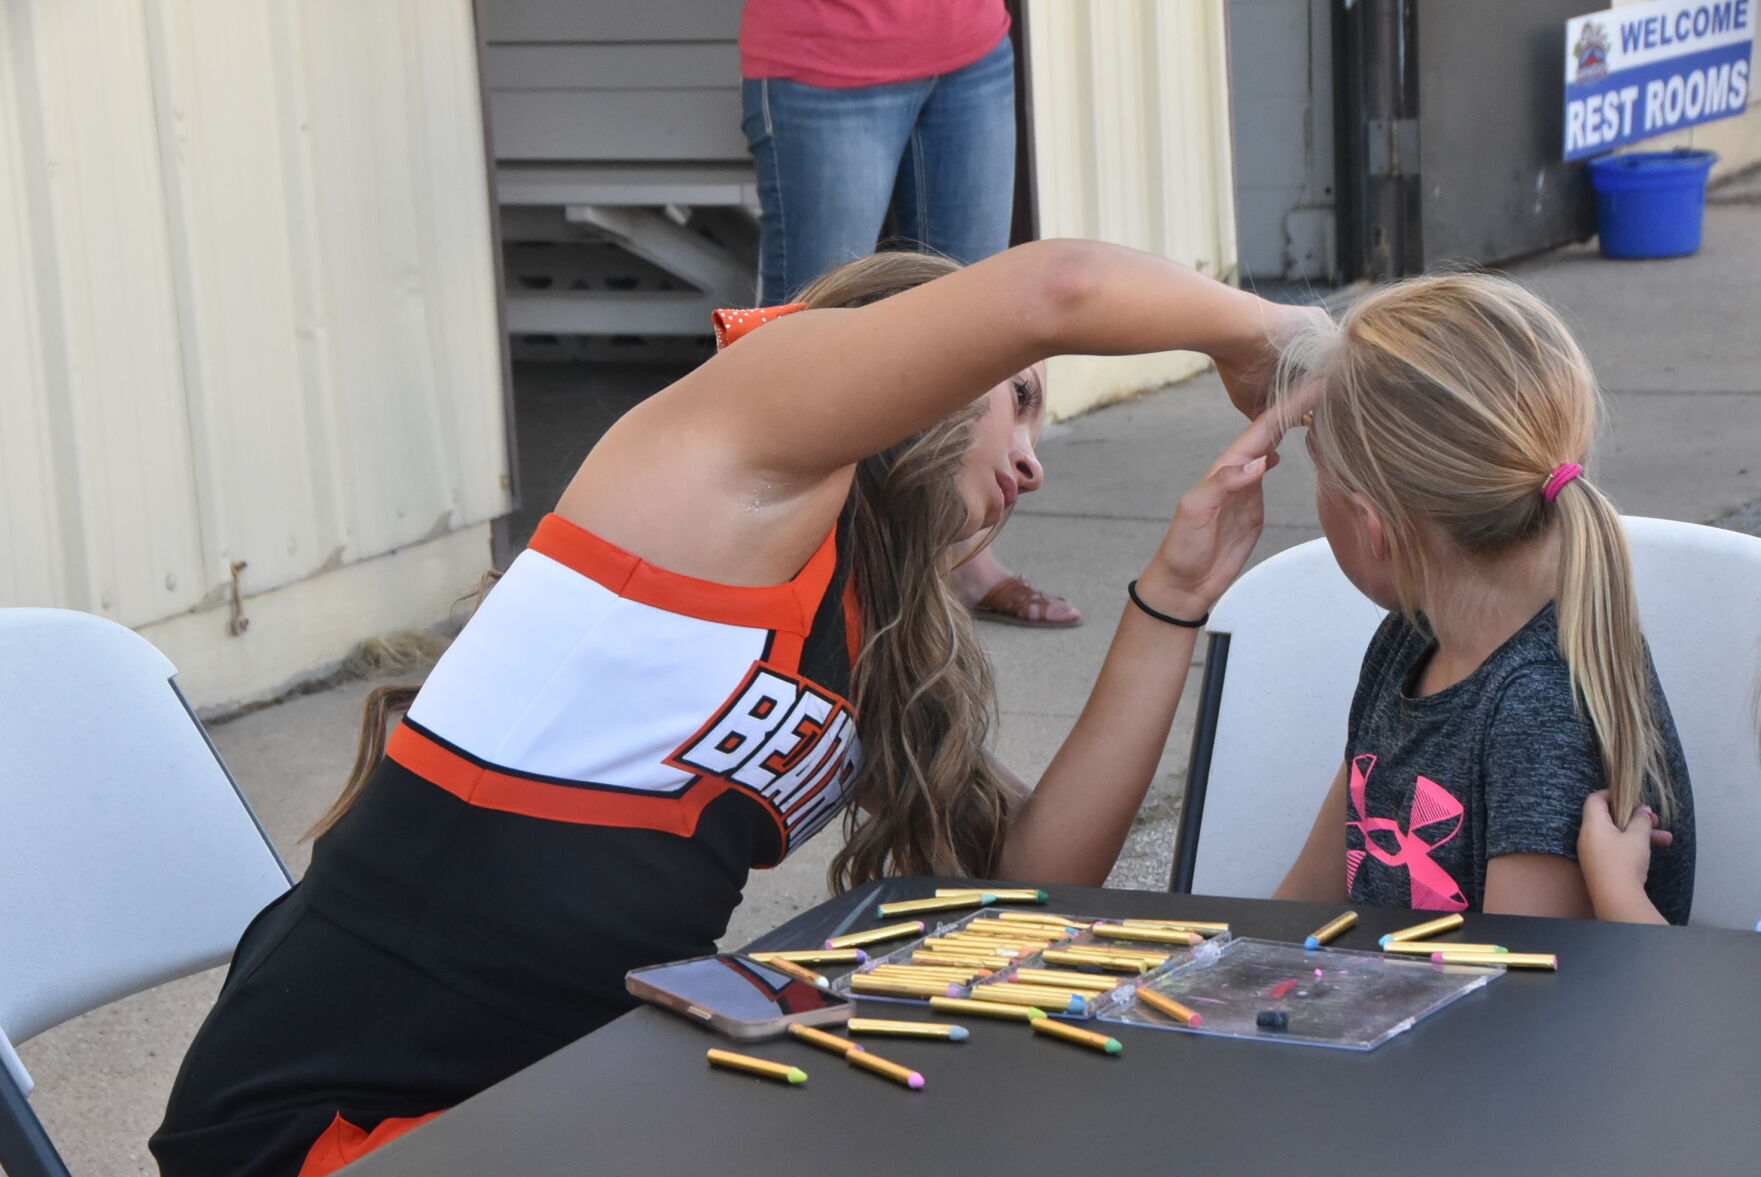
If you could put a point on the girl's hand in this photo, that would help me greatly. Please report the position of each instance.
(1616, 862)
(1247, 371)
(1215, 527)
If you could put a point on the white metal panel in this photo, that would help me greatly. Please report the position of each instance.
(105, 271)
(1131, 145)
(264, 492)
(31, 559)
(245, 257)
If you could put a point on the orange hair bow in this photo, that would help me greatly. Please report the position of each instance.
(731, 324)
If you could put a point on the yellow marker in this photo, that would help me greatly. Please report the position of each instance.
(865, 983)
(912, 972)
(1165, 1004)
(912, 906)
(874, 935)
(881, 1066)
(815, 956)
(1425, 930)
(819, 1038)
(797, 972)
(1148, 935)
(983, 964)
(998, 930)
(1038, 917)
(935, 965)
(987, 941)
(1209, 929)
(1427, 947)
(1117, 964)
(1087, 982)
(988, 1009)
(1042, 999)
(1058, 993)
(1082, 952)
(1003, 894)
(1042, 915)
(1510, 960)
(893, 1029)
(988, 948)
(1077, 1035)
(1108, 948)
(1330, 929)
(781, 1072)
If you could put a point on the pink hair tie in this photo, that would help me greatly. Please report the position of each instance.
(1562, 474)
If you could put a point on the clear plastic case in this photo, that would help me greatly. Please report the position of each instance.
(1174, 954)
(1329, 996)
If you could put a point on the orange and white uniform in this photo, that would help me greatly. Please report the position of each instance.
(580, 789)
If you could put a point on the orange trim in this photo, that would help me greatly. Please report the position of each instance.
(342, 1142)
(732, 323)
(785, 653)
(789, 606)
(852, 621)
(489, 789)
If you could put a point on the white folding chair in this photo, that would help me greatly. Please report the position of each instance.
(127, 856)
(1285, 646)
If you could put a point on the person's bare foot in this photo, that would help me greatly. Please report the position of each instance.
(993, 593)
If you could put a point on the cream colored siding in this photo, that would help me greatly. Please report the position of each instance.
(1131, 144)
(247, 303)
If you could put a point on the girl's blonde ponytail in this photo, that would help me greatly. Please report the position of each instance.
(1600, 640)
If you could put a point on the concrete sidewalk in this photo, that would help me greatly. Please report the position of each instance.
(1677, 345)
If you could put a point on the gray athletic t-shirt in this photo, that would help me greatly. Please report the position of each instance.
(1498, 763)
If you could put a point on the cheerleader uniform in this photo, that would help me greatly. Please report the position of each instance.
(580, 789)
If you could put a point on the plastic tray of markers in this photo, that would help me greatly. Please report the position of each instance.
(1086, 1009)
(1337, 997)
(1175, 955)
(905, 953)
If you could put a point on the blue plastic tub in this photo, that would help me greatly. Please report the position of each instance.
(1651, 203)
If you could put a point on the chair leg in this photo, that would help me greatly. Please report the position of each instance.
(25, 1148)
(1198, 767)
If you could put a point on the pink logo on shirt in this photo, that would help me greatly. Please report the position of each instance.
(1435, 814)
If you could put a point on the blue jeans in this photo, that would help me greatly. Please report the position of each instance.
(939, 152)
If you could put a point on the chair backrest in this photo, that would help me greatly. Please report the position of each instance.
(1294, 633)
(127, 856)
(1700, 603)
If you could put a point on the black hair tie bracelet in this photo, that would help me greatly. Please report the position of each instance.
(1131, 590)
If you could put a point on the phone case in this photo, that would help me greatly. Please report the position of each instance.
(738, 1029)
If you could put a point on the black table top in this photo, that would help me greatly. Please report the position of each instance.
(1641, 1055)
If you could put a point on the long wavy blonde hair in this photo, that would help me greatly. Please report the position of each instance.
(927, 798)
(1448, 402)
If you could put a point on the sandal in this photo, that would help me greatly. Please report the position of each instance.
(1012, 601)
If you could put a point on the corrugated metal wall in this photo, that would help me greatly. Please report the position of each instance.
(1131, 143)
(247, 295)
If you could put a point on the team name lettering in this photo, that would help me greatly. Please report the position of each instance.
(783, 739)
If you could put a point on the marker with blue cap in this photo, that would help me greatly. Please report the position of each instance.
(1330, 929)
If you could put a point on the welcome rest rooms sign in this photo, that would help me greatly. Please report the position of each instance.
(1638, 71)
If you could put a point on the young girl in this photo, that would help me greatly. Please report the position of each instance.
(735, 629)
(1510, 679)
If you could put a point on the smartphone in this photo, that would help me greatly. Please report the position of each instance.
(740, 998)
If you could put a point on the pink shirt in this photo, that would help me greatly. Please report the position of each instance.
(846, 43)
